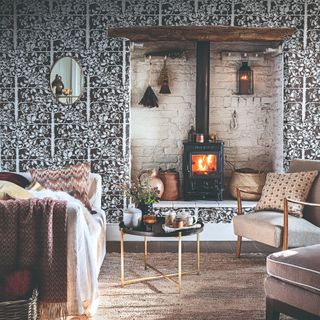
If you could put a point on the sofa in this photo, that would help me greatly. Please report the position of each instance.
(292, 286)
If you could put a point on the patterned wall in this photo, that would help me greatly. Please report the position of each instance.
(35, 130)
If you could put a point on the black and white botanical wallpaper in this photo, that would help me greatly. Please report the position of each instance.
(36, 131)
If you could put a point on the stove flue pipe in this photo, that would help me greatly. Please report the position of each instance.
(203, 88)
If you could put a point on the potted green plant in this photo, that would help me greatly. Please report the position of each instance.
(142, 195)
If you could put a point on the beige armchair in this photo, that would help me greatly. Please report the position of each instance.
(279, 229)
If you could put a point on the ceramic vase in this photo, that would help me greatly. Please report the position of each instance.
(153, 179)
(58, 85)
(145, 208)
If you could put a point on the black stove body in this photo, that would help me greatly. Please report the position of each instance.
(203, 177)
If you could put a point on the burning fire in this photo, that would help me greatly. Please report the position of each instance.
(204, 163)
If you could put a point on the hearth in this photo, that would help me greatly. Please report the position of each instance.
(203, 171)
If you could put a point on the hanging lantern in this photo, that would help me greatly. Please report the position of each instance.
(245, 79)
(164, 78)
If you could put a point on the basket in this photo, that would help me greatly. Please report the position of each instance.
(247, 179)
(20, 309)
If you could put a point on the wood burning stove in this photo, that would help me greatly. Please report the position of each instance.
(203, 162)
(203, 171)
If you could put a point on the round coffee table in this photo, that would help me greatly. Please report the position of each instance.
(156, 230)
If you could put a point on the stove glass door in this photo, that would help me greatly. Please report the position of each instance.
(203, 164)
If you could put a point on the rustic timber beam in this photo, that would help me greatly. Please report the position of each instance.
(200, 33)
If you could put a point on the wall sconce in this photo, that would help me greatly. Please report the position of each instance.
(245, 79)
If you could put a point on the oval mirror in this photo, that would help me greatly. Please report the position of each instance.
(66, 80)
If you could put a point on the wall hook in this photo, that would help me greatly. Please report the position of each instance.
(234, 121)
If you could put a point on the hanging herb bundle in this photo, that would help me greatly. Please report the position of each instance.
(149, 98)
(164, 78)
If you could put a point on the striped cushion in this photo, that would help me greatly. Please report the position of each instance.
(71, 179)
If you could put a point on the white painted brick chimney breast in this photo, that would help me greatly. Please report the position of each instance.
(157, 134)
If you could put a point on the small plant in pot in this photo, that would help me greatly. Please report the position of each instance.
(142, 195)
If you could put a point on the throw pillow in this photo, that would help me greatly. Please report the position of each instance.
(278, 186)
(15, 178)
(71, 179)
(9, 190)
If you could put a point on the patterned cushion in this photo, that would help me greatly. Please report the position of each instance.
(287, 185)
(71, 179)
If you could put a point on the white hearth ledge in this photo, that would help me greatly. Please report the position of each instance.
(204, 204)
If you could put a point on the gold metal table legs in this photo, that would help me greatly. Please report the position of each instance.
(161, 275)
(145, 252)
(122, 258)
(179, 260)
(198, 253)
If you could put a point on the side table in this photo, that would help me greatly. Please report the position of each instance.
(157, 231)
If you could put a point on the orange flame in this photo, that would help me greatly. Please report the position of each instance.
(204, 163)
(244, 77)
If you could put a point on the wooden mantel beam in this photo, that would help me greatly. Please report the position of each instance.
(200, 33)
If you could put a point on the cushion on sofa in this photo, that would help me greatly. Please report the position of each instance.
(9, 190)
(73, 179)
(300, 267)
(15, 178)
(286, 185)
(267, 227)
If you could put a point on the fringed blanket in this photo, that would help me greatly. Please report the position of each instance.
(33, 234)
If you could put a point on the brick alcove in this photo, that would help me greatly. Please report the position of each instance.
(157, 134)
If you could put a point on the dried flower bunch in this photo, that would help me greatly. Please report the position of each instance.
(142, 192)
(163, 80)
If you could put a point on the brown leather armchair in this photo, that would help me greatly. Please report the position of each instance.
(279, 229)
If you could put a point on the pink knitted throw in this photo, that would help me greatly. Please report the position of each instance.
(33, 235)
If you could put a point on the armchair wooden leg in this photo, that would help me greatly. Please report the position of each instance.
(271, 313)
(238, 250)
